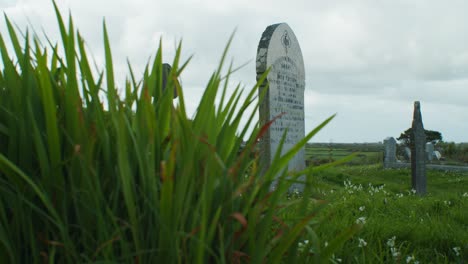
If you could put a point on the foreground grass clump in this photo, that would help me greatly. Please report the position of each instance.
(399, 226)
(133, 179)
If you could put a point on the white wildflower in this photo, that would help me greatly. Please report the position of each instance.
(391, 241)
(457, 251)
(302, 245)
(465, 194)
(362, 242)
(361, 220)
(410, 259)
(335, 260)
(395, 252)
(362, 208)
(296, 191)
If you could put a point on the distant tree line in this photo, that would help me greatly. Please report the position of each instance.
(431, 136)
(450, 150)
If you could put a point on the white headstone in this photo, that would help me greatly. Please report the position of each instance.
(280, 50)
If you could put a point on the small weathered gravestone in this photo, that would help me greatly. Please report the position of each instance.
(389, 152)
(418, 152)
(407, 153)
(429, 151)
(284, 97)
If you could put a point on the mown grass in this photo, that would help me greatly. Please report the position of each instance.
(400, 227)
(131, 178)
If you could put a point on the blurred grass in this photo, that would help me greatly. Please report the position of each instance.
(131, 178)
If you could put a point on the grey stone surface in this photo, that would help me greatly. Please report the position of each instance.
(389, 151)
(429, 151)
(407, 153)
(279, 49)
(418, 152)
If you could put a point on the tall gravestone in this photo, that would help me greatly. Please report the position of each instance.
(418, 152)
(389, 152)
(280, 50)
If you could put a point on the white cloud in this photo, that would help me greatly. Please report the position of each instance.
(367, 60)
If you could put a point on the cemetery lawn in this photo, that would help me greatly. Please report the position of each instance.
(399, 227)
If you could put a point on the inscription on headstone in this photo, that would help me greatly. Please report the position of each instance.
(280, 50)
(418, 152)
(390, 152)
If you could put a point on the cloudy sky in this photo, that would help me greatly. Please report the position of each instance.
(366, 60)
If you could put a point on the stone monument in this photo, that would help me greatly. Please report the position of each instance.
(408, 154)
(418, 152)
(429, 151)
(285, 83)
(390, 152)
(436, 154)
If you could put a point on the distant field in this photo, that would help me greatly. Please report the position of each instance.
(319, 153)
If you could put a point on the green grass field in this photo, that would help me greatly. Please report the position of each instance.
(317, 154)
(400, 227)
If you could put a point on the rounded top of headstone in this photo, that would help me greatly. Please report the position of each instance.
(278, 41)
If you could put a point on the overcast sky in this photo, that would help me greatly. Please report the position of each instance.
(368, 61)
